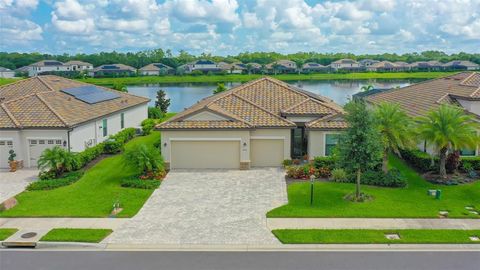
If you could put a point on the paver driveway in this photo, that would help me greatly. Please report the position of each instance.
(12, 183)
(208, 207)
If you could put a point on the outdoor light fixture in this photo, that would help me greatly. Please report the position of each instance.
(64, 143)
(164, 144)
(244, 144)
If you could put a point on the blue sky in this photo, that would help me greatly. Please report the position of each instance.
(225, 27)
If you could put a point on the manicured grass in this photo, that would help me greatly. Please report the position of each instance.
(376, 236)
(76, 235)
(7, 80)
(91, 196)
(5, 233)
(411, 201)
(284, 77)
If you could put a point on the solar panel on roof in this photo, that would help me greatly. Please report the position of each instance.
(110, 67)
(52, 63)
(90, 94)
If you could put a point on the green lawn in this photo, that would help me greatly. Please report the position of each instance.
(7, 80)
(76, 235)
(5, 233)
(91, 196)
(376, 236)
(411, 201)
(284, 77)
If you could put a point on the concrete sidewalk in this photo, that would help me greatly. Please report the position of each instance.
(372, 223)
(50, 223)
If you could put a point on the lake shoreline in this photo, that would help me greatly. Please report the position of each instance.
(243, 78)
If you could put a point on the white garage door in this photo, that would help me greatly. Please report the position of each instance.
(36, 148)
(5, 146)
(266, 152)
(205, 155)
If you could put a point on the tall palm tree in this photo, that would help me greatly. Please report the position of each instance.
(276, 68)
(448, 127)
(395, 127)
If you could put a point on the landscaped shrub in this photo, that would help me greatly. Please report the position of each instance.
(147, 126)
(452, 162)
(57, 160)
(378, 178)
(47, 184)
(323, 172)
(124, 135)
(112, 146)
(420, 160)
(144, 159)
(473, 161)
(154, 113)
(88, 155)
(321, 162)
(135, 182)
(46, 175)
(339, 175)
(287, 162)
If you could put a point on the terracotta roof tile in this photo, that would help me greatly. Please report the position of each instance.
(38, 102)
(258, 104)
(328, 122)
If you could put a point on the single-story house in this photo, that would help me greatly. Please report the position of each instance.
(426, 65)
(76, 65)
(384, 66)
(45, 111)
(257, 124)
(6, 73)
(253, 67)
(282, 66)
(462, 89)
(461, 65)
(156, 69)
(314, 67)
(233, 68)
(112, 70)
(367, 62)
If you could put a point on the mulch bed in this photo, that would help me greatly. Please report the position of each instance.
(452, 179)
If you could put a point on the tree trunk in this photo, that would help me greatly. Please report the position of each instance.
(385, 161)
(357, 186)
(443, 157)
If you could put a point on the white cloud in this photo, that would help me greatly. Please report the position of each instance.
(17, 30)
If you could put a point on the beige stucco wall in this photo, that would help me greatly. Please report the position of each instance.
(316, 142)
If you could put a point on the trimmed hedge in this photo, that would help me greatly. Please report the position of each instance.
(135, 182)
(324, 162)
(474, 161)
(47, 184)
(377, 178)
(420, 160)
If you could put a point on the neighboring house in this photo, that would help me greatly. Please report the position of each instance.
(384, 66)
(257, 124)
(461, 65)
(313, 67)
(113, 70)
(282, 66)
(47, 111)
(204, 66)
(402, 65)
(79, 65)
(429, 65)
(47, 66)
(233, 68)
(6, 73)
(365, 63)
(345, 64)
(22, 71)
(156, 69)
(462, 89)
(254, 67)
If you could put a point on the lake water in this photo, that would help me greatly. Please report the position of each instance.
(184, 95)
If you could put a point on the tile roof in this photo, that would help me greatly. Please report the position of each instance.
(38, 102)
(257, 104)
(335, 121)
(417, 99)
(154, 67)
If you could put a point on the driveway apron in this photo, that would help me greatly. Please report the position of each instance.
(208, 207)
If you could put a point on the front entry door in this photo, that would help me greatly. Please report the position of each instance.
(299, 143)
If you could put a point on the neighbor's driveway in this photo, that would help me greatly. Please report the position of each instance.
(12, 183)
(208, 207)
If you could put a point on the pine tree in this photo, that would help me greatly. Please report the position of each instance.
(162, 102)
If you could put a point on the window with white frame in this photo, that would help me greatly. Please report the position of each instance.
(331, 141)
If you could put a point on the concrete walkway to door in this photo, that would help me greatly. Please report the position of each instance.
(208, 207)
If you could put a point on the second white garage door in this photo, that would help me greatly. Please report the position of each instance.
(266, 152)
(205, 155)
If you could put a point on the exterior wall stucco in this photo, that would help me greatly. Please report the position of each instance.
(316, 142)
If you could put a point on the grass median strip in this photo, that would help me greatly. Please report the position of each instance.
(355, 236)
(5, 233)
(76, 235)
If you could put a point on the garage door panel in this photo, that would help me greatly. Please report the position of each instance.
(205, 155)
(266, 152)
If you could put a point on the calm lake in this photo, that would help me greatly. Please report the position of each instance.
(183, 95)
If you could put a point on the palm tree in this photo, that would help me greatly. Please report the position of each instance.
(395, 127)
(366, 88)
(249, 68)
(144, 158)
(448, 127)
(275, 67)
(57, 159)
(299, 63)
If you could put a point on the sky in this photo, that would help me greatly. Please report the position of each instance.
(228, 27)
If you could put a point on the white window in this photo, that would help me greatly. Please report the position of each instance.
(41, 141)
(50, 141)
(58, 142)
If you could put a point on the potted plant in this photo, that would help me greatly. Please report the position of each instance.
(11, 160)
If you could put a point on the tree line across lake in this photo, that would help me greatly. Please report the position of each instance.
(14, 60)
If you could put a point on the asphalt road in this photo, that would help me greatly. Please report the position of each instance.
(134, 260)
